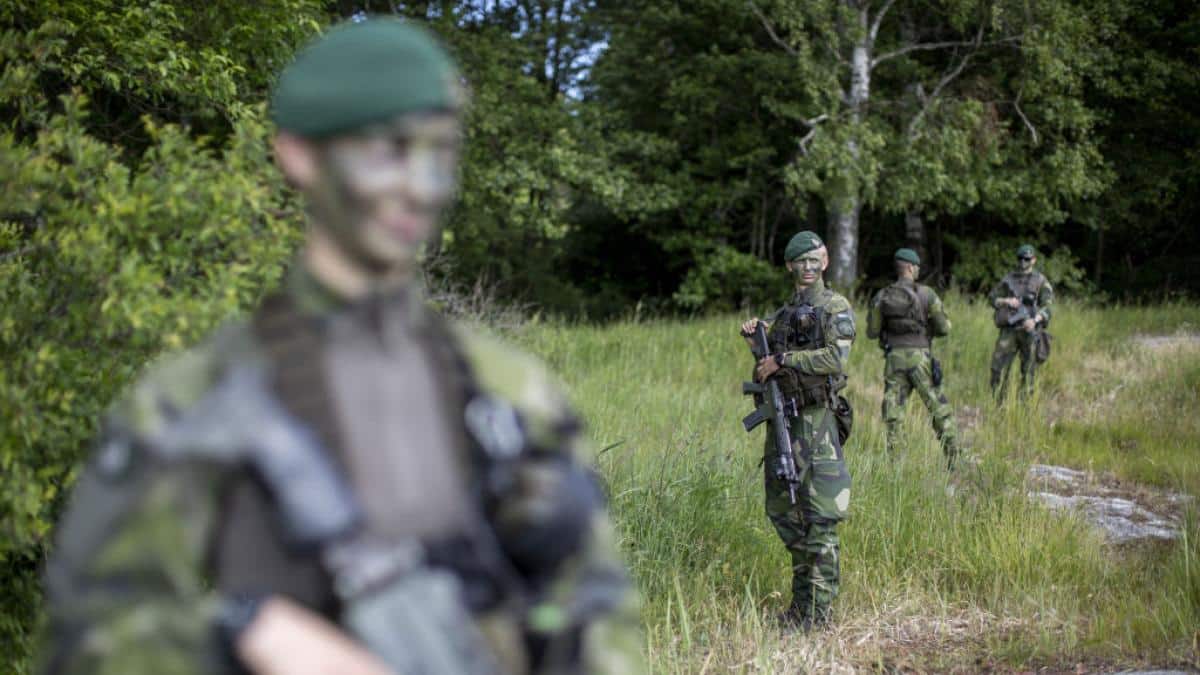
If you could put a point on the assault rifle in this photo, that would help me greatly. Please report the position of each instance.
(774, 409)
(1027, 310)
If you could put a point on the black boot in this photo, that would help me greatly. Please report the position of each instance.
(805, 618)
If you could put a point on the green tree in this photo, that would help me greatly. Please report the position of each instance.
(923, 105)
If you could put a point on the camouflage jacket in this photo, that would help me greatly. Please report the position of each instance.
(936, 321)
(1016, 284)
(821, 355)
(132, 585)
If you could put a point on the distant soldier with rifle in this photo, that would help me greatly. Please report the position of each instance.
(345, 482)
(905, 317)
(1022, 302)
(801, 353)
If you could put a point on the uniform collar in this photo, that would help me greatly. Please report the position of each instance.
(313, 297)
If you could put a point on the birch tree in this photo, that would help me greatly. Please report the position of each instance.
(885, 85)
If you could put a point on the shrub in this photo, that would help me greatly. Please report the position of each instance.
(726, 279)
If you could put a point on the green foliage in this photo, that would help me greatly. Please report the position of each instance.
(726, 279)
(105, 263)
(176, 61)
(981, 264)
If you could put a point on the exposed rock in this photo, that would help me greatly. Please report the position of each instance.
(1123, 514)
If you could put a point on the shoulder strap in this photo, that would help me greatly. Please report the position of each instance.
(292, 343)
(913, 292)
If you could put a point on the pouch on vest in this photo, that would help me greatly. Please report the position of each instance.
(843, 414)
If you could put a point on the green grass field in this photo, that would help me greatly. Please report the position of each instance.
(969, 579)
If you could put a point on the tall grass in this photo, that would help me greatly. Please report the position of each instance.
(939, 572)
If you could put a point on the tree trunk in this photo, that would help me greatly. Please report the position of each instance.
(844, 208)
(843, 242)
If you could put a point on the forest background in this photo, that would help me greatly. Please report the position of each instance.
(622, 159)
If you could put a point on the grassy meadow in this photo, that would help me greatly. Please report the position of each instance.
(939, 573)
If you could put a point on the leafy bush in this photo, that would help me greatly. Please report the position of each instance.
(102, 267)
(726, 279)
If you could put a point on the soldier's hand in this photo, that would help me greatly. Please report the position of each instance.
(748, 327)
(1029, 325)
(287, 639)
(1014, 303)
(766, 368)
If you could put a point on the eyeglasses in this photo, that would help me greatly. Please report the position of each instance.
(1024, 258)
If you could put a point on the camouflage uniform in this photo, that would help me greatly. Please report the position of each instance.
(908, 362)
(813, 371)
(159, 534)
(1014, 340)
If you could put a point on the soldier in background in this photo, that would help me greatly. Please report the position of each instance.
(1022, 301)
(345, 482)
(905, 317)
(810, 339)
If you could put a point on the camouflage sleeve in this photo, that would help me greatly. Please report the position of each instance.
(125, 584)
(589, 596)
(591, 599)
(1000, 290)
(1045, 302)
(939, 323)
(839, 336)
(875, 317)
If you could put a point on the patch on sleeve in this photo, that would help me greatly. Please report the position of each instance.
(843, 324)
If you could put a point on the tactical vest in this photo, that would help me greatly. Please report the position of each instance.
(798, 328)
(1020, 285)
(249, 556)
(905, 311)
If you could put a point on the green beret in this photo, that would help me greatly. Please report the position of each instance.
(800, 244)
(908, 255)
(362, 73)
(1026, 250)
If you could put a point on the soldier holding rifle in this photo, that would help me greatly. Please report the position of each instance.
(807, 346)
(1022, 301)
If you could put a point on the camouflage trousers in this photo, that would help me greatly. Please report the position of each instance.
(809, 528)
(1010, 343)
(906, 370)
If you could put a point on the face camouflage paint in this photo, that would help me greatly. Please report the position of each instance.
(383, 190)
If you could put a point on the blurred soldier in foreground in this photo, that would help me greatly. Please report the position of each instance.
(345, 482)
(809, 343)
(905, 317)
(1022, 302)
